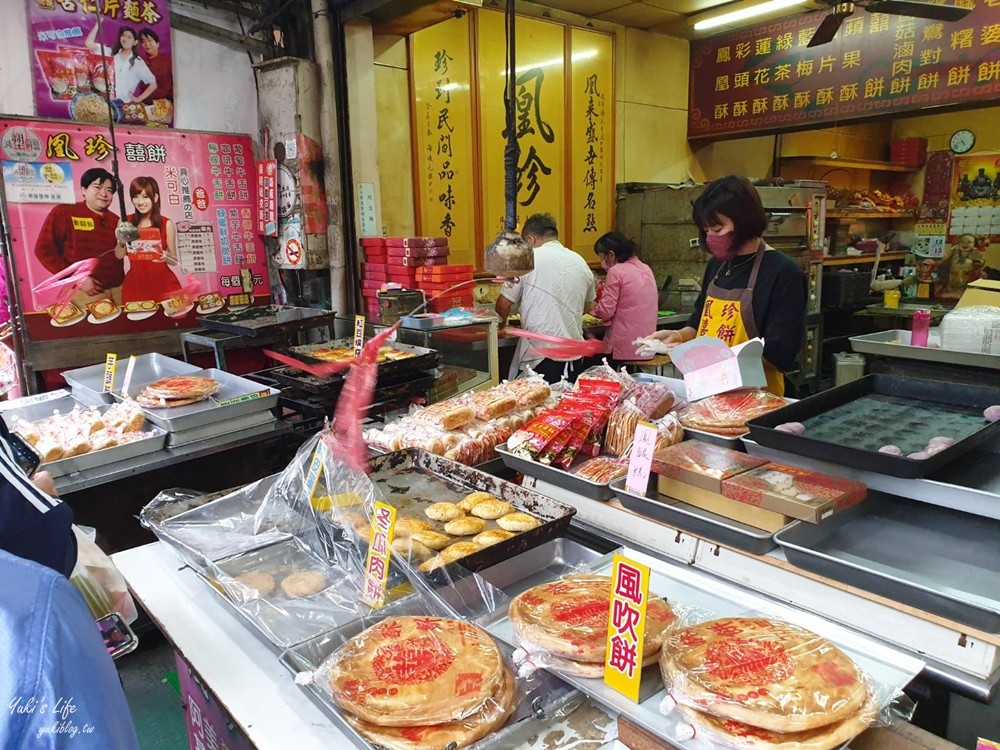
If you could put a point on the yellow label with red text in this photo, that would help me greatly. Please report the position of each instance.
(626, 626)
(379, 549)
(83, 224)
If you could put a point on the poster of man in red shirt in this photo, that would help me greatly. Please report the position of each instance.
(83, 230)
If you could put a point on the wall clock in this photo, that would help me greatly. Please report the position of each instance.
(962, 141)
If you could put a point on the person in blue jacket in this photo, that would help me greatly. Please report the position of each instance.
(58, 685)
(34, 523)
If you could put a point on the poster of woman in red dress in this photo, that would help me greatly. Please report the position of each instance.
(149, 276)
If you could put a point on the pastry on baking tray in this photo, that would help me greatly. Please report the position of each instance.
(406, 525)
(432, 539)
(473, 499)
(262, 583)
(443, 511)
(412, 550)
(303, 583)
(492, 509)
(492, 536)
(465, 526)
(518, 522)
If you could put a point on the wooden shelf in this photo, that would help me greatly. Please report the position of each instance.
(857, 260)
(847, 213)
(825, 161)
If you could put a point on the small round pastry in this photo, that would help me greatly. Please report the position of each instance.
(412, 550)
(262, 583)
(406, 525)
(458, 550)
(992, 413)
(432, 539)
(465, 526)
(303, 583)
(518, 522)
(492, 536)
(492, 509)
(794, 428)
(473, 499)
(443, 512)
(890, 450)
(944, 442)
(918, 456)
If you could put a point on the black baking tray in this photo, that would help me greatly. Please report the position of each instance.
(936, 559)
(848, 424)
(387, 388)
(442, 479)
(694, 520)
(268, 320)
(422, 359)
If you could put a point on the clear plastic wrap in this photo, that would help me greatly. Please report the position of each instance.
(621, 428)
(601, 469)
(728, 413)
(767, 674)
(973, 329)
(653, 399)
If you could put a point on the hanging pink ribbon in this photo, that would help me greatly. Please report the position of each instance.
(559, 347)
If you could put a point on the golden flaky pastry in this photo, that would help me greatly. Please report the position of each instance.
(730, 733)
(450, 554)
(473, 499)
(433, 539)
(569, 618)
(465, 526)
(406, 525)
(590, 669)
(412, 550)
(303, 583)
(443, 511)
(409, 671)
(518, 522)
(494, 713)
(491, 509)
(262, 583)
(492, 536)
(765, 673)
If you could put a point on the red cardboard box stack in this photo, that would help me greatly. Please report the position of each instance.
(452, 283)
(373, 273)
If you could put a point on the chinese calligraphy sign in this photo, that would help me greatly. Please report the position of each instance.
(626, 626)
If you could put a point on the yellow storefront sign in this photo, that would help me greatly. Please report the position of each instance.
(626, 626)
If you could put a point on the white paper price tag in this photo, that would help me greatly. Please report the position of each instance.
(641, 459)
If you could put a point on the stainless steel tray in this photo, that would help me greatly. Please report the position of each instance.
(87, 383)
(210, 410)
(556, 476)
(154, 439)
(547, 694)
(281, 620)
(412, 479)
(699, 592)
(897, 344)
(695, 520)
(223, 427)
(935, 559)
(542, 564)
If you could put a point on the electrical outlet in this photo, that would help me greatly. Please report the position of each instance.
(693, 243)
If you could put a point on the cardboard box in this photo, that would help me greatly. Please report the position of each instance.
(713, 502)
(799, 493)
(981, 292)
(711, 367)
(702, 464)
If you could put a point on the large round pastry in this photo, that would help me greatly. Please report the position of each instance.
(409, 671)
(494, 713)
(761, 672)
(183, 386)
(569, 618)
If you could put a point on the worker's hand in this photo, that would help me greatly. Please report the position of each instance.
(43, 481)
(90, 287)
(667, 337)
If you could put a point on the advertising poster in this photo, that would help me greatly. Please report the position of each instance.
(192, 195)
(74, 62)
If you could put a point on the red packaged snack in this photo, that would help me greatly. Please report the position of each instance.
(530, 440)
(81, 66)
(577, 440)
(59, 72)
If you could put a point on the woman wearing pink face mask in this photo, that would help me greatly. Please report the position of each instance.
(628, 303)
(749, 289)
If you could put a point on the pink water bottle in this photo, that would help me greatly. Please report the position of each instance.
(921, 327)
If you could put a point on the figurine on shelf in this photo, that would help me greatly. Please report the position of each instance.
(926, 276)
(962, 265)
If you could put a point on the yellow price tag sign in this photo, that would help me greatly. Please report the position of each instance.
(626, 626)
(110, 362)
(377, 563)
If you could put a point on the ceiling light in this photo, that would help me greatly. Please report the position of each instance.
(744, 13)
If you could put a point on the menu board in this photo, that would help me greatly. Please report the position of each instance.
(192, 195)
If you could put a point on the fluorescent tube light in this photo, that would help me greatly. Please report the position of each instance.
(744, 13)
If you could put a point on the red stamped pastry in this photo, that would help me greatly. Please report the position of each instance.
(767, 674)
(416, 671)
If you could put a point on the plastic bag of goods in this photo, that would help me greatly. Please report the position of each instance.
(972, 329)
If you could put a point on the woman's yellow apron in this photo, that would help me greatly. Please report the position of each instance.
(728, 315)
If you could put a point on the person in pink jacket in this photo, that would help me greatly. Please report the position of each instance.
(628, 303)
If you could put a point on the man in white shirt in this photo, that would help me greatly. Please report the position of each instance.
(552, 299)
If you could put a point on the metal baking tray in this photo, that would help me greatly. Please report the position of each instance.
(268, 320)
(556, 476)
(87, 383)
(897, 344)
(222, 427)
(412, 479)
(545, 695)
(386, 388)
(699, 592)
(208, 411)
(279, 619)
(848, 424)
(422, 359)
(154, 439)
(938, 560)
(542, 564)
(699, 522)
